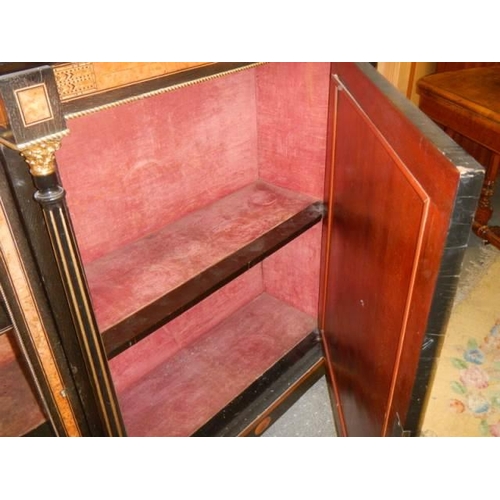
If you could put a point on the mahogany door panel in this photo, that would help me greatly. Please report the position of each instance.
(391, 200)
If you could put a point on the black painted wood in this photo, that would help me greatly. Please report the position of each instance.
(5, 323)
(16, 315)
(14, 67)
(51, 197)
(150, 318)
(44, 430)
(31, 217)
(268, 390)
(465, 203)
(11, 84)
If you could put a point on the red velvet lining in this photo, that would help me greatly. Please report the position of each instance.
(134, 363)
(133, 169)
(133, 276)
(19, 408)
(133, 172)
(292, 110)
(177, 397)
(292, 274)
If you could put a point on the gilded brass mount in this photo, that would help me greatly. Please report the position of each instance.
(41, 156)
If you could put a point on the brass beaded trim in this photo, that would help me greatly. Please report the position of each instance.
(47, 138)
(152, 93)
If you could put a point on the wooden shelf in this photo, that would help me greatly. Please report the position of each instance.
(179, 396)
(142, 286)
(272, 394)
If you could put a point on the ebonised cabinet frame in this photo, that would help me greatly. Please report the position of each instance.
(391, 225)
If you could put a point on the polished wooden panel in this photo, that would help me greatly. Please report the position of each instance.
(393, 197)
(382, 235)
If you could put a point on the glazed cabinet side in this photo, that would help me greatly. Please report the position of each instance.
(33, 129)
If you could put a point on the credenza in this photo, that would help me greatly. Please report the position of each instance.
(186, 247)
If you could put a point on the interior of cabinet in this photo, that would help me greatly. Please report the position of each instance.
(197, 217)
(20, 408)
(20, 411)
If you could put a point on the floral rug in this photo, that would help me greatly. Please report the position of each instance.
(465, 395)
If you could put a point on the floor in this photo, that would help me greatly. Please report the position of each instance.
(311, 415)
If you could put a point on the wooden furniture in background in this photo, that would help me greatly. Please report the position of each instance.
(455, 66)
(466, 104)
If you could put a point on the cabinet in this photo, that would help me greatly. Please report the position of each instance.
(192, 246)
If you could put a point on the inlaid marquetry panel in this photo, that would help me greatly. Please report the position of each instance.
(82, 79)
(34, 104)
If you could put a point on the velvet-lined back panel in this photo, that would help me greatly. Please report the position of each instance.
(140, 359)
(132, 169)
(20, 411)
(292, 274)
(292, 111)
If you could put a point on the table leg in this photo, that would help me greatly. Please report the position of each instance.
(491, 234)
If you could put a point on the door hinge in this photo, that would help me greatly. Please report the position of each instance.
(397, 429)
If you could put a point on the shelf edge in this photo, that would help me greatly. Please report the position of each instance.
(129, 331)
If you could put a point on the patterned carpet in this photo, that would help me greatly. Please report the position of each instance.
(465, 396)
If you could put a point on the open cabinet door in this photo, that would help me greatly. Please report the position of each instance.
(401, 196)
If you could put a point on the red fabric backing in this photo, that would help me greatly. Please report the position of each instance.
(19, 408)
(135, 275)
(292, 109)
(132, 169)
(292, 274)
(128, 367)
(194, 385)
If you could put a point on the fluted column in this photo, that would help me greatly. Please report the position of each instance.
(35, 129)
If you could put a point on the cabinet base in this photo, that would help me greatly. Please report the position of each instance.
(251, 413)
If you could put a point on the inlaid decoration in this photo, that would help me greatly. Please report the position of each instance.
(34, 104)
(75, 79)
